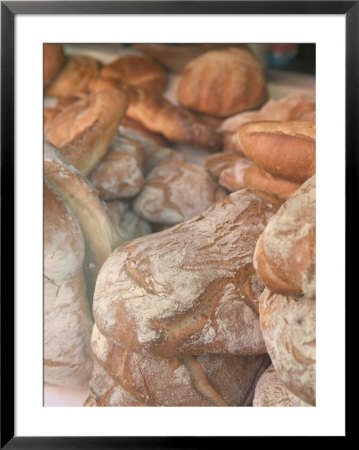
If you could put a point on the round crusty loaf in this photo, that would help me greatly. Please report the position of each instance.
(288, 326)
(176, 191)
(189, 289)
(74, 77)
(67, 317)
(84, 130)
(208, 380)
(54, 58)
(137, 70)
(270, 391)
(284, 149)
(285, 253)
(120, 173)
(222, 82)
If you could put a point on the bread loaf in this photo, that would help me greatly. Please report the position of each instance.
(285, 253)
(84, 130)
(222, 82)
(288, 326)
(270, 391)
(101, 235)
(67, 318)
(159, 115)
(53, 60)
(137, 70)
(189, 289)
(120, 173)
(75, 76)
(284, 149)
(176, 191)
(207, 380)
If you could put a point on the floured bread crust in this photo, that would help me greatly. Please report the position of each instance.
(285, 255)
(288, 325)
(176, 191)
(270, 391)
(67, 318)
(208, 380)
(189, 289)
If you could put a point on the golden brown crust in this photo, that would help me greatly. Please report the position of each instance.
(54, 58)
(288, 325)
(222, 82)
(84, 130)
(175, 57)
(189, 289)
(285, 253)
(284, 149)
(218, 162)
(255, 177)
(74, 77)
(137, 70)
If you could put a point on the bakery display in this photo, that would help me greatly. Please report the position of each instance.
(179, 228)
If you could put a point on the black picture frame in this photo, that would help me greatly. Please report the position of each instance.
(9, 9)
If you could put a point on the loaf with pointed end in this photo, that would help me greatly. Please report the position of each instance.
(84, 131)
(285, 255)
(101, 235)
(190, 289)
(137, 70)
(222, 82)
(159, 115)
(67, 317)
(54, 58)
(207, 380)
(176, 191)
(270, 391)
(284, 149)
(74, 77)
(288, 326)
(120, 173)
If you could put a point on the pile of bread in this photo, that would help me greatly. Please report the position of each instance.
(179, 234)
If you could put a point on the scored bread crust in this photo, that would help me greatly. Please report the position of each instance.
(189, 289)
(285, 256)
(84, 130)
(270, 391)
(54, 58)
(137, 70)
(176, 191)
(288, 326)
(208, 380)
(67, 317)
(74, 77)
(222, 82)
(284, 149)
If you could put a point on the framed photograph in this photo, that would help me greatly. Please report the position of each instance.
(102, 104)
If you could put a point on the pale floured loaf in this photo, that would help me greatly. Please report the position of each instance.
(176, 191)
(67, 317)
(285, 255)
(288, 326)
(270, 391)
(190, 289)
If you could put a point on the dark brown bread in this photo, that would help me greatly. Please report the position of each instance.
(222, 82)
(189, 289)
